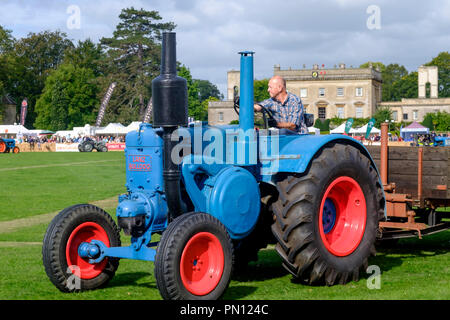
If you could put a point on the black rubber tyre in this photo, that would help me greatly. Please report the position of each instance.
(88, 147)
(297, 228)
(180, 240)
(60, 233)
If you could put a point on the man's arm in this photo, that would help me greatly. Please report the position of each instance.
(257, 107)
(287, 125)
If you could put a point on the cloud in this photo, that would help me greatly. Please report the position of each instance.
(291, 33)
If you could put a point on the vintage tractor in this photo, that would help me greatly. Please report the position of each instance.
(8, 145)
(202, 200)
(88, 145)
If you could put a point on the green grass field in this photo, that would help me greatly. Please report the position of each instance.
(35, 186)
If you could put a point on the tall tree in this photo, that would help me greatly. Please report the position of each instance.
(69, 99)
(442, 61)
(260, 89)
(30, 62)
(196, 109)
(207, 89)
(133, 60)
(86, 54)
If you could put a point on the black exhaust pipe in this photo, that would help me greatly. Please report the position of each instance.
(170, 110)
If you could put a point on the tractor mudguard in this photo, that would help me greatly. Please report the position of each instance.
(296, 155)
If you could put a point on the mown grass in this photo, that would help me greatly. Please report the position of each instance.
(413, 269)
(37, 183)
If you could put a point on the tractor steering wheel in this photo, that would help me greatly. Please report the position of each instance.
(268, 118)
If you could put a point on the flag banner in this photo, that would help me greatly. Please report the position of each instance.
(369, 127)
(101, 111)
(148, 112)
(23, 111)
(348, 125)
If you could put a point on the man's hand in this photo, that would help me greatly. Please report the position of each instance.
(286, 125)
(257, 107)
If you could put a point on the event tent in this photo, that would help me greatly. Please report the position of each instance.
(314, 130)
(363, 130)
(414, 128)
(13, 129)
(341, 129)
(111, 129)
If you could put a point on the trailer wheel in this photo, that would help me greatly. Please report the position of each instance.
(72, 226)
(327, 220)
(2, 146)
(194, 258)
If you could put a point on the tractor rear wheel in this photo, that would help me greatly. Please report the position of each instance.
(194, 258)
(71, 227)
(326, 221)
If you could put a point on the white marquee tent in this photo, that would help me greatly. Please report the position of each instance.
(111, 129)
(363, 130)
(341, 129)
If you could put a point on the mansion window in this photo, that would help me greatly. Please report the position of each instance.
(415, 115)
(340, 112)
(405, 116)
(321, 92)
(359, 112)
(322, 112)
(359, 92)
(394, 115)
(303, 93)
(340, 92)
(221, 116)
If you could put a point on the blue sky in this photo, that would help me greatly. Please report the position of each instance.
(291, 33)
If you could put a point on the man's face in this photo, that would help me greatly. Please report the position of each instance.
(274, 88)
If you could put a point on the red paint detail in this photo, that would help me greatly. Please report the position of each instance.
(351, 215)
(85, 232)
(202, 263)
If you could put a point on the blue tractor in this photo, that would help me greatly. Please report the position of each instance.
(8, 145)
(202, 200)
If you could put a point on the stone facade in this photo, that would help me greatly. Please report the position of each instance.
(344, 93)
(415, 109)
(326, 93)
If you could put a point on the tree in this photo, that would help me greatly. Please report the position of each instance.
(68, 99)
(85, 55)
(133, 60)
(6, 40)
(442, 61)
(428, 121)
(406, 87)
(207, 89)
(441, 121)
(260, 89)
(195, 107)
(30, 62)
(381, 115)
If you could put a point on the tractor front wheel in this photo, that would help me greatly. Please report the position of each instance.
(66, 269)
(327, 219)
(16, 150)
(194, 258)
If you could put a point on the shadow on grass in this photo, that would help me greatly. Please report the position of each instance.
(132, 279)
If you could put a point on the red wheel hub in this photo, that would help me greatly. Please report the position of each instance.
(202, 263)
(79, 266)
(350, 221)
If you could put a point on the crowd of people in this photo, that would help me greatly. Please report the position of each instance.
(106, 139)
(38, 140)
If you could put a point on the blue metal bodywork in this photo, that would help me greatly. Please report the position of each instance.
(10, 144)
(222, 168)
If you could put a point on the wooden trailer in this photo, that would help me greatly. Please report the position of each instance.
(416, 182)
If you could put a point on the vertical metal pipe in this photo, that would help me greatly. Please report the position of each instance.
(384, 153)
(246, 100)
(419, 174)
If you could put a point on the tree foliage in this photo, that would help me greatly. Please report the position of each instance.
(133, 56)
(442, 61)
(68, 99)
